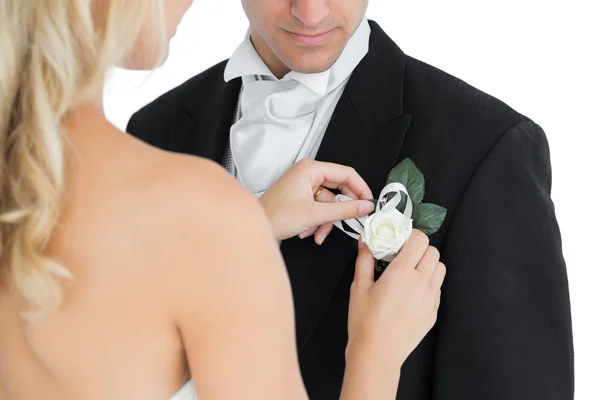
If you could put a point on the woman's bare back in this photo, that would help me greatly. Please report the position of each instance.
(112, 338)
(158, 294)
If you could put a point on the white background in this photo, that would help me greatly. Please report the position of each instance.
(540, 57)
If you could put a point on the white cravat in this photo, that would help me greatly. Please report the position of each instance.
(283, 121)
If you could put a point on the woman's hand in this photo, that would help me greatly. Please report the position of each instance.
(293, 209)
(390, 317)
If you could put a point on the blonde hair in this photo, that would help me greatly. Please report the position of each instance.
(55, 55)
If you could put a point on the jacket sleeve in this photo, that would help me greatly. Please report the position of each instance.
(504, 327)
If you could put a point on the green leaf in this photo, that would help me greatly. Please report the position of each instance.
(428, 218)
(410, 176)
(378, 266)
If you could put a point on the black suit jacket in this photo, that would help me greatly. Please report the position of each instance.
(504, 326)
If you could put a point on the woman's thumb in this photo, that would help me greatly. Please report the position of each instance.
(341, 211)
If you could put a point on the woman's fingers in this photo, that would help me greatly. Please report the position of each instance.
(329, 212)
(438, 276)
(346, 191)
(335, 176)
(322, 232)
(307, 233)
(412, 251)
(437, 300)
(429, 261)
(325, 197)
(364, 275)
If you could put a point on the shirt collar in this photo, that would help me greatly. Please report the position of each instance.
(245, 62)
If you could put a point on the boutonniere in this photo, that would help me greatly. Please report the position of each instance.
(398, 211)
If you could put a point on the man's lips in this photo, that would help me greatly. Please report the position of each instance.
(311, 39)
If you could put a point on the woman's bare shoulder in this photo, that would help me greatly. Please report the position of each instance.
(211, 237)
(202, 211)
(192, 176)
(185, 185)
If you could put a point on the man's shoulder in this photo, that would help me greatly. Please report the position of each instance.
(453, 102)
(452, 119)
(457, 129)
(177, 98)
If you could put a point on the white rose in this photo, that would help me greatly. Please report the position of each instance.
(386, 232)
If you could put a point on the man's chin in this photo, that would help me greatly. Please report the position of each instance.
(314, 70)
(315, 61)
(310, 66)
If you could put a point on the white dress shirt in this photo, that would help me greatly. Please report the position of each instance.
(280, 121)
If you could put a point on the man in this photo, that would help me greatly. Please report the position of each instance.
(315, 80)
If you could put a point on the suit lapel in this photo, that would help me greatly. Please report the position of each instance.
(366, 132)
(202, 127)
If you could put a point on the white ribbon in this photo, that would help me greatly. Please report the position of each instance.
(357, 224)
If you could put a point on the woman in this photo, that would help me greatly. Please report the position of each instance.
(102, 292)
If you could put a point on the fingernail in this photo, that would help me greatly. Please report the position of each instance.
(365, 207)
(320, 239)
(303, 235)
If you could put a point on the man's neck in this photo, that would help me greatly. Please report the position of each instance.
(278, 68)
